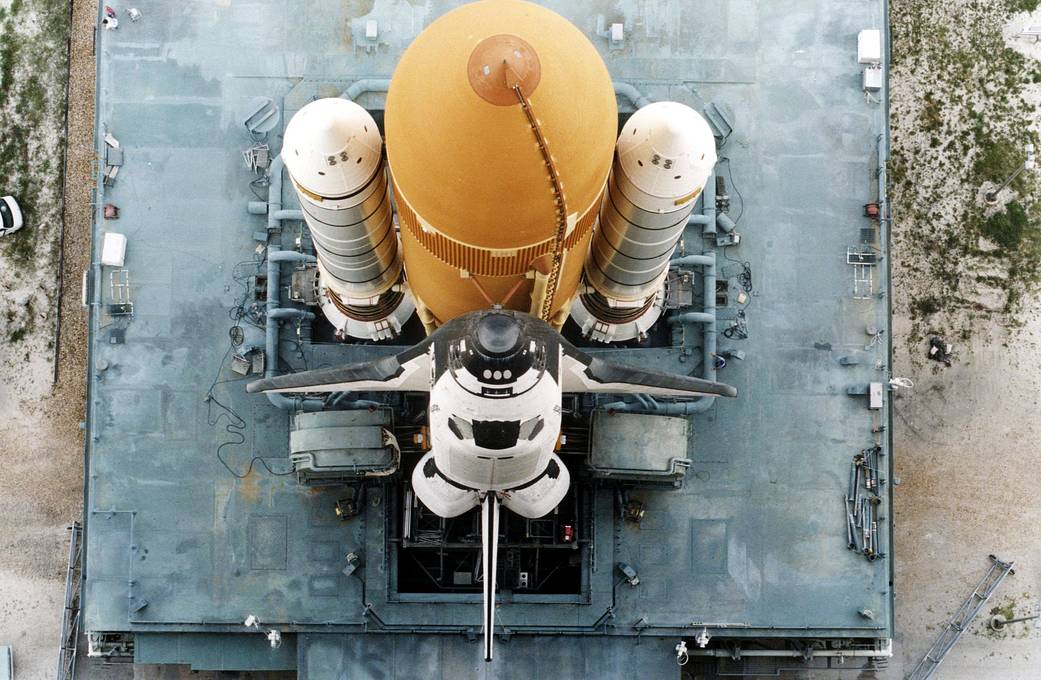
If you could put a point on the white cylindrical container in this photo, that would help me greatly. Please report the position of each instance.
(334, 154)
(665, 153)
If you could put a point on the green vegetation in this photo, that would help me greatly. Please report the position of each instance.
(999, 159)
(959, 126)
(1007, 228)
(1022, 5)
(33, 74)
(925, 306)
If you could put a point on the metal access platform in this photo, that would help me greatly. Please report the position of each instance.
(194, 520)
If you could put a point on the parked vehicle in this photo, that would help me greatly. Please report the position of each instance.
(10, 216)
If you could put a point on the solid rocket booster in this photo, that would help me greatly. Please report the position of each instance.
(500, 126)
(334, 154)
(665, 154)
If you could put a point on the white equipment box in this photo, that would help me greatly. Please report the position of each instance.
(872, 78)
(869, 46)
(114, 249)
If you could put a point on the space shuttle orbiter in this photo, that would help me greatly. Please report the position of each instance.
(495, 380)
(516, 206)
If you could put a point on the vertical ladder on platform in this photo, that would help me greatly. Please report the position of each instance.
(962, 618)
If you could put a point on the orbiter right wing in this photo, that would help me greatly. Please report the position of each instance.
(581, 372)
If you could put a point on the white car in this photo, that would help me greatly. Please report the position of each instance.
(10, 216)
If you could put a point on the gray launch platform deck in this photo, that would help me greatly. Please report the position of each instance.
(179, 551)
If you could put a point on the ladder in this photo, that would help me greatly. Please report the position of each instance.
(962, 618)
(863, 262)
(70, 629)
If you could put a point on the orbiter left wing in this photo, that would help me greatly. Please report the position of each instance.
(408, 371)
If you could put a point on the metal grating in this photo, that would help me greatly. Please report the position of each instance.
(70, 621)
(961, 619)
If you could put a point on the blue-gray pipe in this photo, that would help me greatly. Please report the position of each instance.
(708, 344)
(289, 215)
(723, 221)
(708, 205)
(290, 313)
(707, 317)
(360, 87)
(635, 97)
(274, 193)
(335, 398)
(275, 257)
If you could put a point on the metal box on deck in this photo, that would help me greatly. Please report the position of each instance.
(641, 448)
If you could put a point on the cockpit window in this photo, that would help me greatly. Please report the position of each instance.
(496, 434)
(460, 428)
(530, 428)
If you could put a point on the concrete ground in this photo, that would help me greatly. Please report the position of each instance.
(967, 442)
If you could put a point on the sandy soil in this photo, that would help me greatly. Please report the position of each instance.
(966, 437)
(41, 443)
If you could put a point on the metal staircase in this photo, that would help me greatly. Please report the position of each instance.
(71, 618)
(962, 619)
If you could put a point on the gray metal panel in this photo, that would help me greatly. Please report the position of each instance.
(404, 657)
(341, 443)
(639, 446)
(216, 652)
(756, 537)
(637, 441)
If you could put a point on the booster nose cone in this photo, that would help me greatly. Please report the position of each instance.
(666, 150)
(332, 147)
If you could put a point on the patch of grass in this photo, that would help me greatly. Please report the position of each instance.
(932, 116)
(924, 306)
(997, 160)
(964, 124)
(1022, 5)
(32, 82)
(1007, 229)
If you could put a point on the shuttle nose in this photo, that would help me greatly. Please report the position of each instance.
(498, 334)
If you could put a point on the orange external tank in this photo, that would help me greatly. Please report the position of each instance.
(500, 133)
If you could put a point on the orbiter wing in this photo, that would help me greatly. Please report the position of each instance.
(582, 372)
(408, 371)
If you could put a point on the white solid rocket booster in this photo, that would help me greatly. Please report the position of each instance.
(665, 153)
(334, 154)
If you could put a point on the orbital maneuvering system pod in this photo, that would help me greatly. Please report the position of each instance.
(500, 128)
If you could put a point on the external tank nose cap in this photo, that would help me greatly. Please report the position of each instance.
(500, 62)
(498, 334)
